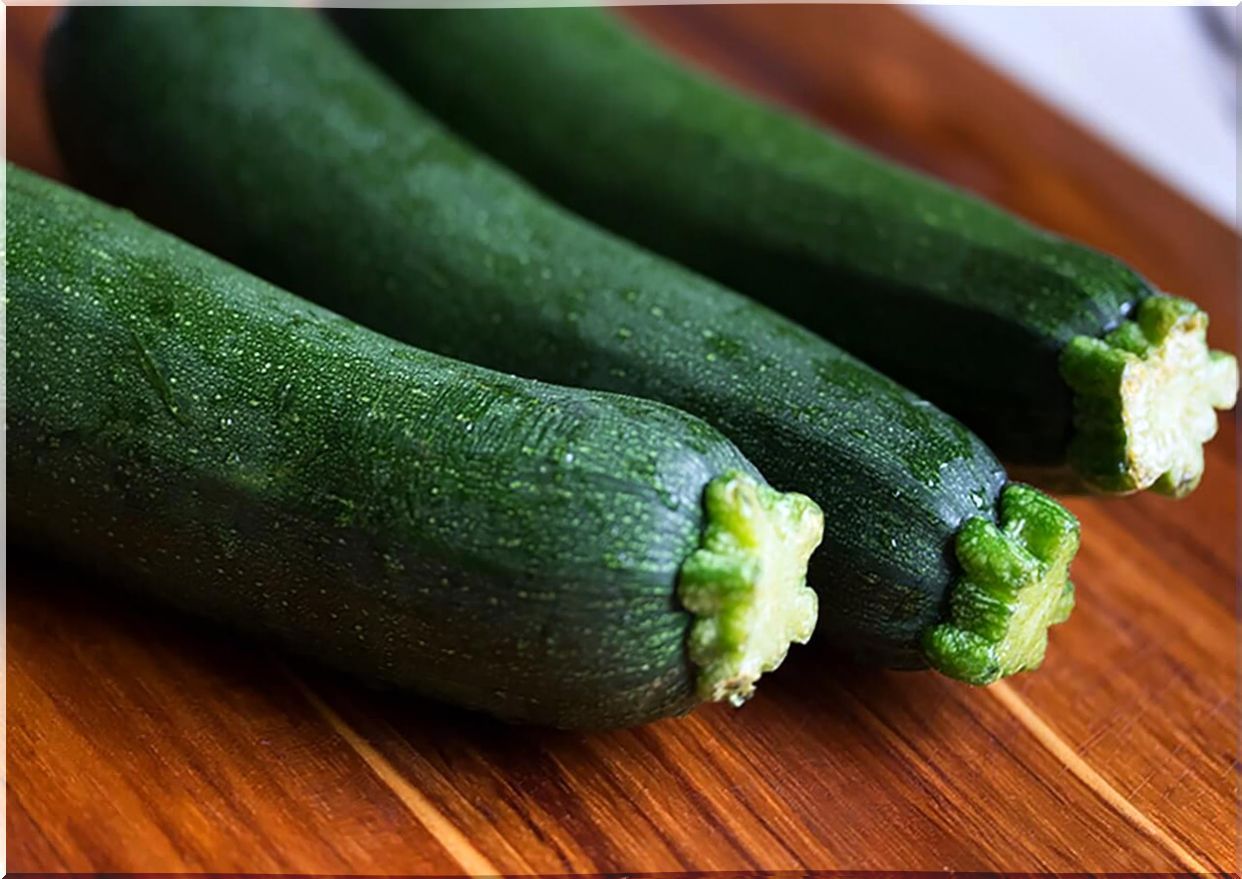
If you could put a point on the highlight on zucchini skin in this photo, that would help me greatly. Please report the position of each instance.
(1010, 328)
(1145, 397)
(546, 554)
(1014, 585)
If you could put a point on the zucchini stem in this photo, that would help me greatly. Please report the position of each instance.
(746, 584)
(1014, 585)
(1144, 399)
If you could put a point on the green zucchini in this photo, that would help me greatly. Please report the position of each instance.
(262, 135)
(1071, 366)
(546, 554)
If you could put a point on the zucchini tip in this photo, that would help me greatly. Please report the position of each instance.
(1013, 587)
(1145, 397)
(746, 584)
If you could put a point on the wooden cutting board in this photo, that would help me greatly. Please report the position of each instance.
(142, 741)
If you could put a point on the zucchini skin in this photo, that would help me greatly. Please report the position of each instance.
(495, 542)
(261, 136)
(962, 302)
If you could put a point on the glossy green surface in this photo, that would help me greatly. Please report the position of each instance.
(956, 299)
(500, 543)
(260, 134)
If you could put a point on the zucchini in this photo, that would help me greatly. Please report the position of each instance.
(262, 135)
(1073, 368)
(545, 554)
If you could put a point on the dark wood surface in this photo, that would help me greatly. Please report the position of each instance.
(142, 741)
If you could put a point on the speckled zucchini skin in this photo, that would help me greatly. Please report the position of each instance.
(500, 543)
(957, 299)
(263, 136)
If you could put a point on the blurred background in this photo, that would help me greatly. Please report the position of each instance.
(1159, 82)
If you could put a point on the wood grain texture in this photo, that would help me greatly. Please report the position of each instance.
(142, 741)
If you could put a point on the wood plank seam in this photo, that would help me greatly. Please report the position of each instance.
(1051, 740)
(471, 860)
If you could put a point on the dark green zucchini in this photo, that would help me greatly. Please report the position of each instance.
(546, 554)
(262, 135)
(1071, 366)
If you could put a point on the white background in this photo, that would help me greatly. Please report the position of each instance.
(1147, 79)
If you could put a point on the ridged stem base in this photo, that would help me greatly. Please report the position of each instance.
(746, 584)
(1145, 397)
(1014, 585)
